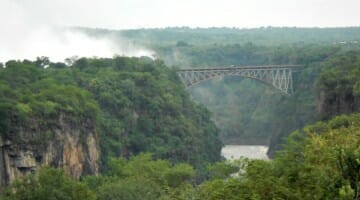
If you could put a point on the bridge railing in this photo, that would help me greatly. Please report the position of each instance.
(278, 76)
(243, 67)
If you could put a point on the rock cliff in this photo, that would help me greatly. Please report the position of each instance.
(331, 104)
(65, 143)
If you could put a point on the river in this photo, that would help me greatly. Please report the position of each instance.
(232, 152)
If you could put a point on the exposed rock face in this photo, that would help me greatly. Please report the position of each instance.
(332, 104)
(69, 145)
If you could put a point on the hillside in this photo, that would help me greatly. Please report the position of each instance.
(77, 117)
(246, 111)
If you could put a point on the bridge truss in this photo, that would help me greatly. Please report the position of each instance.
(278, 76)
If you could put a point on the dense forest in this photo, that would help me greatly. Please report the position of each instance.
(136, 105)
(159, 141)
(246, 111)
(319, 162)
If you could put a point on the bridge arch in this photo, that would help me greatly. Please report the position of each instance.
(278, 76)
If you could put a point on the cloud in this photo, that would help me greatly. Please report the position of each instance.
(60, 43)
(27, 34)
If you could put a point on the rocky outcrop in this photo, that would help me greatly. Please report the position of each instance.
(331, 104)
(65, 144)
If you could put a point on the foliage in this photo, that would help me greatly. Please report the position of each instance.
(339, 85)
(144, 108)
(222, 170)
(48, 183)
(136, 104)
(246, 111)
(141, 177)
(320, 162)
(33, 100)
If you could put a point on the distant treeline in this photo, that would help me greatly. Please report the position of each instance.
(263, 35)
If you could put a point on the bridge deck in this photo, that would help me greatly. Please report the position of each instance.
(278, 76)
(241, 67)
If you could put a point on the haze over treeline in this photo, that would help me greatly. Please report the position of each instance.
(40, 28)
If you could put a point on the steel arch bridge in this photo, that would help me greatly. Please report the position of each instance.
(278, 76)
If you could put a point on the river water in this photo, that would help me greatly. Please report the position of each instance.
(232, 152)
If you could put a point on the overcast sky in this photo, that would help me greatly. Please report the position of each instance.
(124, 14)
(27, 26)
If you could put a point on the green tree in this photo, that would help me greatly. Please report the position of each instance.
(48, 183)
